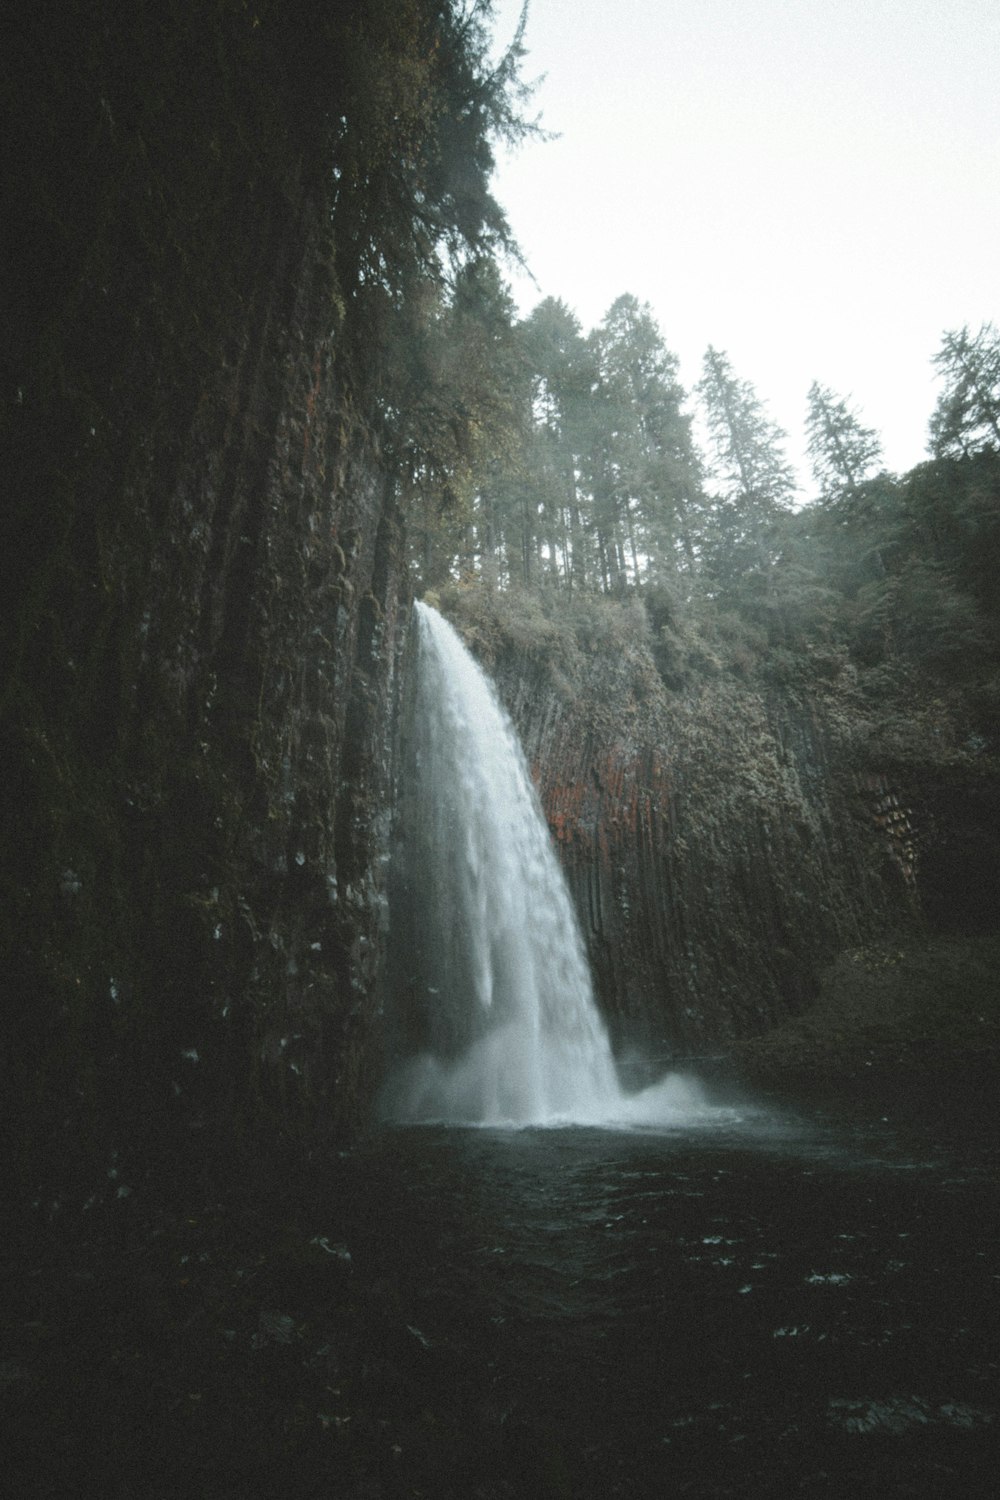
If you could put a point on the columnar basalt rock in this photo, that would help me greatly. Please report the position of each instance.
(204, 583)
(721, 842)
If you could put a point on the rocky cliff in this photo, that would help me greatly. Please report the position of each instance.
(726, 835)
(203, 576)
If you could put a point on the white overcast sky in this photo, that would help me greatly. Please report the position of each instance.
(812, 186)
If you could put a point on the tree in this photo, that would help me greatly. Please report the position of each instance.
(421, 104)
(461, 387)
(644, 470)
(844, 453)
(755, 478)
(417, 235)
(563, 376)
(967, 415)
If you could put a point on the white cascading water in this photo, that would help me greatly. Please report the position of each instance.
(511, 1033)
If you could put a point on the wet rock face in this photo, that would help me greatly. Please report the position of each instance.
(718, 841)
(206, 830)
(958, 851)
(202, 574)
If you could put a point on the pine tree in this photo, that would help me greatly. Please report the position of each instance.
(461, 386)
(967, 415)
(562, 382)
(844, 453)
(755, 479)
(646, 471)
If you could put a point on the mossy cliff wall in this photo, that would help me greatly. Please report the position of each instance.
(726, 836)
(202, 572)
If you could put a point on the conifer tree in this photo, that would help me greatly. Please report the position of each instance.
(562, 380)
(967, 415)
(461, 385)
(755, 480)
(646, 470)
(843, 452)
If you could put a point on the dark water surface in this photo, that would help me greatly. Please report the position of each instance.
(760, 1304)
(750, 1304)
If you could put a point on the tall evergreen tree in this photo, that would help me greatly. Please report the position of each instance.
(967, 415)
(756, 482)
(843, 452)
(417, 234)
(646, 471)
(562, 381)
(461, 385)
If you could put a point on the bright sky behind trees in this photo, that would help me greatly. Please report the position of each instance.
(811, 186)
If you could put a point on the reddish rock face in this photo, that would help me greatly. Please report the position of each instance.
(719, 844)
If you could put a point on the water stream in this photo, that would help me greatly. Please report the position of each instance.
(506, 1030)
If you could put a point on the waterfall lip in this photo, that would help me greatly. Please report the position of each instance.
(507, 1033)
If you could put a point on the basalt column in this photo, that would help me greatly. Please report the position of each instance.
(202, 569)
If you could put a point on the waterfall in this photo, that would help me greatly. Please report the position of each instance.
(498, 1014)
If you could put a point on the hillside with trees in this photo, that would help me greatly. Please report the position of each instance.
(766, 734)
(598, 474)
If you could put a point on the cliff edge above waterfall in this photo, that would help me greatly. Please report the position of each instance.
(787, 859)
